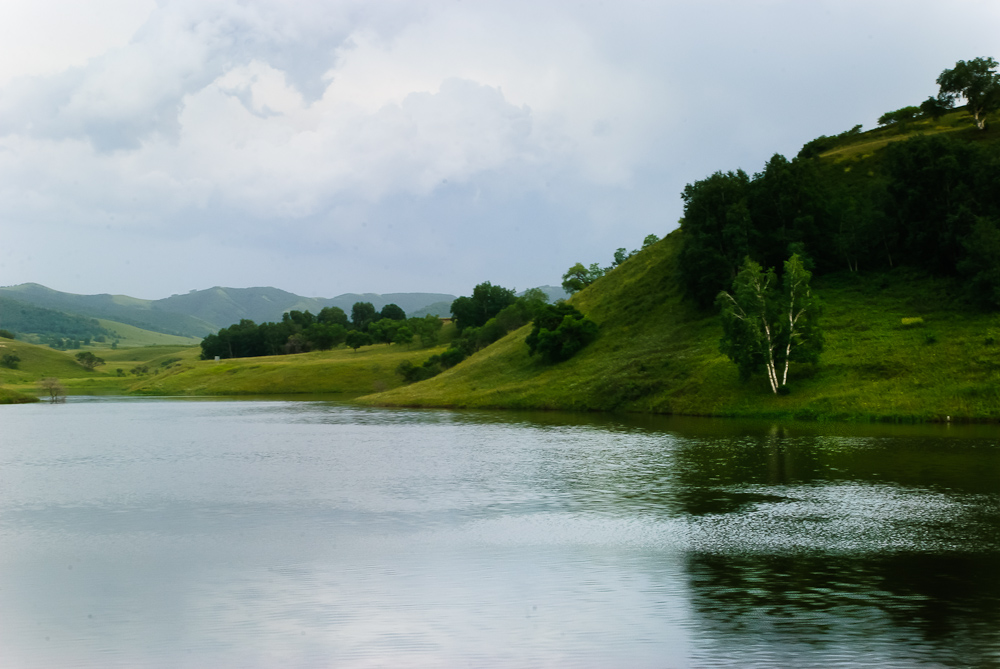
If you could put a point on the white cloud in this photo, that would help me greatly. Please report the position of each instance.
(371, 132)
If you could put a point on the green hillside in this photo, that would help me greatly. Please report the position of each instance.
(657, 353)
(129, 336)
(143, 314)
(901, 223)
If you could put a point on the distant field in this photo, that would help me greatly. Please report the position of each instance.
(131, 337)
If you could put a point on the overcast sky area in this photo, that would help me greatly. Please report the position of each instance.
(151, 148)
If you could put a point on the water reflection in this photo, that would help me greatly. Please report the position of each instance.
(157, 533)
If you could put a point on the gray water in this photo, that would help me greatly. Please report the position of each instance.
(154, 533)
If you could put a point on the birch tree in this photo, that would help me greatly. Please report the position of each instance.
(767, 325)
(977, 82)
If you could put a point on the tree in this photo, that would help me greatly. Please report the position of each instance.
(393, 312)
(403, 335)
(298, 320)
(718, 233)
(89, 360)
(10, 360)
(900, 116)
(486, 302)
(57, 393)
(383, 331)
(579, 277)
(765, 328)
(356, 339)
(332, 316)
(981, 264)
(362, 313)
(934, 107)
(324, 336)
(560, 332)
(426, 329)
(977, 83)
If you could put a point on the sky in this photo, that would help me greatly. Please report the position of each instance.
(150, 148)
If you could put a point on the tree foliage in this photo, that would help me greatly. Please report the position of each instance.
(917, 204)
(579, 277)
(900, 116)
(392, 312)
(766, 327)
(89, 360)
(486, 302)
(362, 314)
(560, 332)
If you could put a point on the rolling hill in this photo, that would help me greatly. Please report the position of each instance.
(202, 312)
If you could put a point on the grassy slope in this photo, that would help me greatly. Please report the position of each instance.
(656, 353)
(178, 370)
(132, 336)
(341, 371)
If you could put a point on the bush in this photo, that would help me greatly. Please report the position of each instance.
(560, 332)
(10, 361)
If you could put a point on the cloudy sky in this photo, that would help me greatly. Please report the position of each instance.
(323, 147)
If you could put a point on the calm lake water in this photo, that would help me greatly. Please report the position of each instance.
(165, 533)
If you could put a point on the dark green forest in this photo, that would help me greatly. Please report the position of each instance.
(302, 331)
(929, 201)
(51, 325)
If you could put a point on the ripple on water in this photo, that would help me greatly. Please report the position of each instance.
(838, 518)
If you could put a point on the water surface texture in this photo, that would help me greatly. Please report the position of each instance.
(155, 533)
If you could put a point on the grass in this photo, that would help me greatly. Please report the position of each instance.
(341, 371)
(656, 353)
(131, 337)
(866, 144)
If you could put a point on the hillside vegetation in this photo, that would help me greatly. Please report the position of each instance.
(899, 346)
(901, 236)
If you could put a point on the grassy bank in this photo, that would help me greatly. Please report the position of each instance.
(899, 346)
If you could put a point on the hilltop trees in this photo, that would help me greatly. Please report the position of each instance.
(579, 277)
(764, 327)
(976, 82)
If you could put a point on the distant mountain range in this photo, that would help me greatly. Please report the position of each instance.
(202, 312)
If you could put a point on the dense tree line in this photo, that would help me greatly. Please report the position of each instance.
(930, 201)
(302, 331)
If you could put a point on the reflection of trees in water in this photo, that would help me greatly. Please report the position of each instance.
(928, 608)
(809, 542)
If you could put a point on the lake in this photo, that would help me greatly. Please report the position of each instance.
(168, 533)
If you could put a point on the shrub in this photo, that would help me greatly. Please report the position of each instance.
(560, 332)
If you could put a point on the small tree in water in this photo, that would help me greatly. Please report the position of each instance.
(57, 393)
(764, 327)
